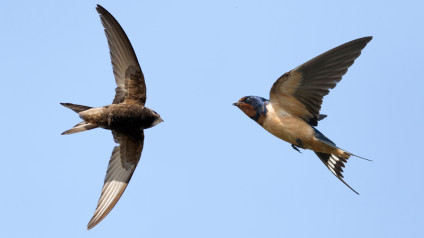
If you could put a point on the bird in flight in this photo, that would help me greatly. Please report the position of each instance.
(292, 112)
(126, 117)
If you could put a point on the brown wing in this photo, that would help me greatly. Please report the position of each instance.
(121, 167)
(128, 75)
(300, 91)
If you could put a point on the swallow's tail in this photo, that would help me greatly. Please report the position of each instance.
(82, 126)
(343, 153)
(335, 164)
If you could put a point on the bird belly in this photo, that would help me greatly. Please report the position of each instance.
(96, 116)
(289, 128)
(117, 117)
(127, 117)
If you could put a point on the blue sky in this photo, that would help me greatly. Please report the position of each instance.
(208, 170)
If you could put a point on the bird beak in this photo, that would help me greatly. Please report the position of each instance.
(236, 104)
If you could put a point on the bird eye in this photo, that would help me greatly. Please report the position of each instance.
(248, 100)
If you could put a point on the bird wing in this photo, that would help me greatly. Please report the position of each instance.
(301, 90)
(121, 167)
(129, 78)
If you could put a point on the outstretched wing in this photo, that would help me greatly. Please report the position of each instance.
(300, 91)
(121, 167)
(128, 75)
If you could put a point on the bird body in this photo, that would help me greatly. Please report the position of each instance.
(126, 117)
(121, 117)
(287, 127)
(294, 130)
(292, 112)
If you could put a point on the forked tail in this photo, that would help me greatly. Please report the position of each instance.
(82, 126)
(335, 164)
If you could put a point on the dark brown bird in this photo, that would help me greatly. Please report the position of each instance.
(126, 117)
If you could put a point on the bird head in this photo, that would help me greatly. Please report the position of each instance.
(156, 119)
(252, 106)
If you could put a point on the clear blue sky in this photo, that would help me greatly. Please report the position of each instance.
(208, 170)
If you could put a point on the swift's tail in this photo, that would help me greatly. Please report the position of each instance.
(82, 126)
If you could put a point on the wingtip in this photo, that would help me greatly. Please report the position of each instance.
(99, 7)
(365, 39)
(101, 10)
(90, 225)
(93, 222)
(368, 38)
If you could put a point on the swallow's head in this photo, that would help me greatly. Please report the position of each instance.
(253, 106)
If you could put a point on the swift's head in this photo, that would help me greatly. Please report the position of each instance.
(150, 118)
(157, 119)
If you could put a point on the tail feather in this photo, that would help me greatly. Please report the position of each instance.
(74, 107)
(357, 156)
(334, 163)
(82, 126)
(327, 141)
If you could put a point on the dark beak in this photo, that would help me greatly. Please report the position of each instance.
(235, 104)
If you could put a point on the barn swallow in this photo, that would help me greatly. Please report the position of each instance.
(126, 117)
(292, 112)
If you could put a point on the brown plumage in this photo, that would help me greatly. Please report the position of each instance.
(126, 117)
(301, 90)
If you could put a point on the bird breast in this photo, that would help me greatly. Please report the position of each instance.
(286, 126)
